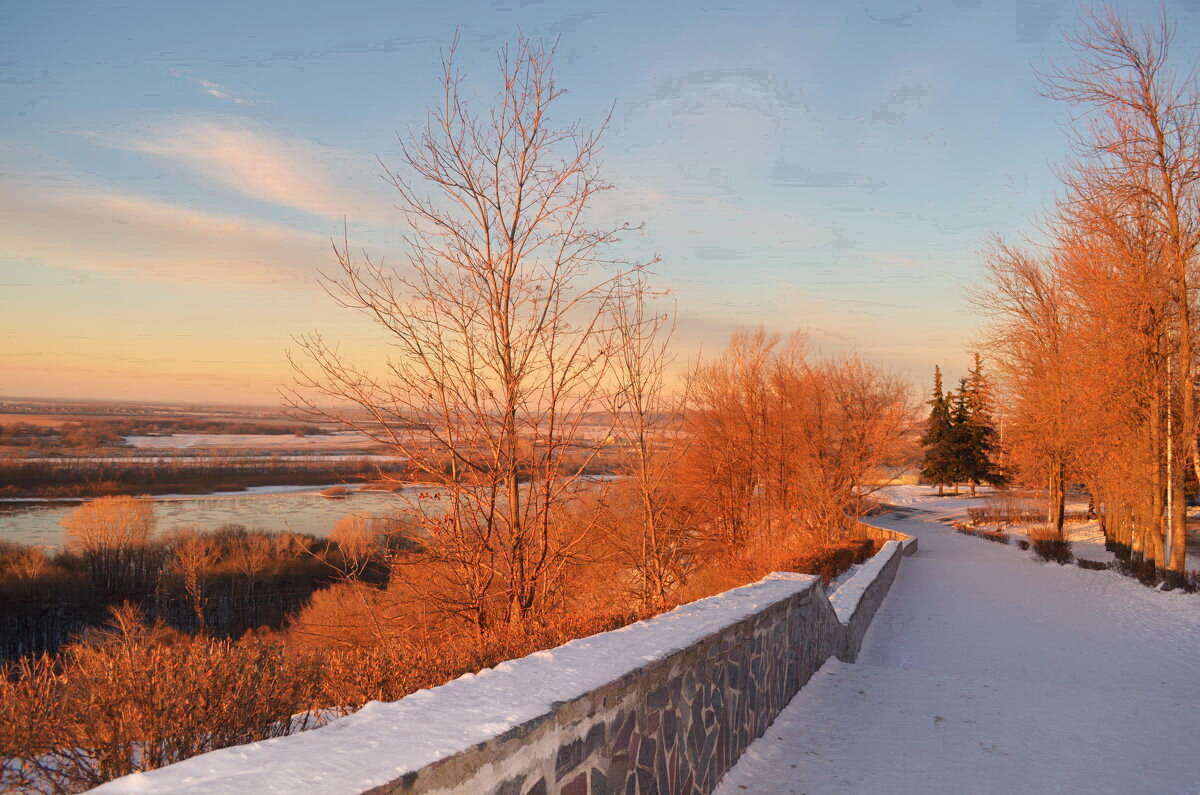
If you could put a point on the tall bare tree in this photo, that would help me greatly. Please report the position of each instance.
(1138, 137)
(500, 326)
(1029, 338)
(653, 524)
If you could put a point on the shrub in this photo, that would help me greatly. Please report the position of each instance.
(1010, 515)
(1054, 551)
(1049, 546)
(990, 535)
(137, 697)
(1093, 565)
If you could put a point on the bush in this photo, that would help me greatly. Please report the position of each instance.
(1011, 515)
(1093, 565)
(137, 697)
(990, 535)
(1054, 551)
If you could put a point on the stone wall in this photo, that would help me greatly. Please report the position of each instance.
(881, 534)
(665, 705)
(676, 724)
(859, 598)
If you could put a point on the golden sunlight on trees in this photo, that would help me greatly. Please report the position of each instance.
(1094, 334)
(112, 535)
(501, 327)
(783, 441)
(569, 485)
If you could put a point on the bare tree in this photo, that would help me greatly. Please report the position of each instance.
(194, 554)
(1029, 337)
(653, 524)
(1138, 135)
(498, 323)
(112, 535)
(784, 441)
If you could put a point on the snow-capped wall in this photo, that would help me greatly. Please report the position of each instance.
(881, 534)
(860, 597)
(669, 703)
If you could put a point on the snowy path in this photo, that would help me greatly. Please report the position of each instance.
(986, 671)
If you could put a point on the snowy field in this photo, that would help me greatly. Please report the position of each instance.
(254, 441)
(987, 671)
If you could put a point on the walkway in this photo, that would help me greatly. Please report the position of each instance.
(986, 671)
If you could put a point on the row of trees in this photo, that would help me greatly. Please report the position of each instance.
(960, 439)
(1092, 329)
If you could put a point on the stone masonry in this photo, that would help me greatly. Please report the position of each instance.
(676, 725)
(665, 705)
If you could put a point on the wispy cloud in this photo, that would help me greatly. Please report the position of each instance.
(214, 90)
(753, 89)
(219, 91)
(89, 229)
(800, 176)
(290, 172)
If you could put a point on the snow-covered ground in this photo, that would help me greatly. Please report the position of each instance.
(986, 671)
(230, 441)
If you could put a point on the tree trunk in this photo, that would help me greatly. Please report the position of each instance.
(1058, 494)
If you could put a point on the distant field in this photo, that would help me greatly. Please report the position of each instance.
(251, 441)
(56, 420)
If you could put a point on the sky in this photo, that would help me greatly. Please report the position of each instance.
(171, 174)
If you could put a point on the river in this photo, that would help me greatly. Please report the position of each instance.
(276, 508)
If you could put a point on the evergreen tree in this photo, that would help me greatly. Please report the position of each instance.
(973, 430)
(963, 455)
(938, 440)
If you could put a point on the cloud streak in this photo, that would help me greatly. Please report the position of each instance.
(218, 91)
(89, 229)
(289, 172)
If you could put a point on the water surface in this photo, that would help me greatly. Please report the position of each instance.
(276, 508)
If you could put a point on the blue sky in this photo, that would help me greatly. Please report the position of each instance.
(170, 173)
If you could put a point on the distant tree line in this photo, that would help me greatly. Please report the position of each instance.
(220, 582)
(88, 434)
(49, 477)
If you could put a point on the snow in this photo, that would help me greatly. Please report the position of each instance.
(845, 576)
(987, 671)
(381, 742)
(249, 491)
(846, 598)
(189, 441)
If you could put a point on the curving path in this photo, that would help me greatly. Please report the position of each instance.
(986, 671)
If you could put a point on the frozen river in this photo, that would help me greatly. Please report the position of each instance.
(296, 508)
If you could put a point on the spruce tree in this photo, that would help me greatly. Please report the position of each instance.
(938, 439)
(964, 457)
(973, 435)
